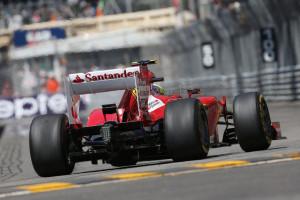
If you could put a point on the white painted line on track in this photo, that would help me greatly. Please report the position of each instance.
(14, 194)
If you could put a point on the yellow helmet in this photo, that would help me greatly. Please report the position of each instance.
(158, 89)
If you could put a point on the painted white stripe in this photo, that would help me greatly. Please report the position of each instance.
(14, 194)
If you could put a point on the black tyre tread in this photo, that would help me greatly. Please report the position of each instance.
(252, 128)
(48, 142)
(186, 130)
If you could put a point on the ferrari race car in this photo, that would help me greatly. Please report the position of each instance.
(146, 125)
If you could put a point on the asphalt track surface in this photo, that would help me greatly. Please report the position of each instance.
(228, 172)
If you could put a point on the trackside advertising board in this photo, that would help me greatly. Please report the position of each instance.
(27, 37)
(31, 106)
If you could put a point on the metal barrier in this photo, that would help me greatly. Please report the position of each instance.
(275, 84)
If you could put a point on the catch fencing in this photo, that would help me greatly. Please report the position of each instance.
(282, 84)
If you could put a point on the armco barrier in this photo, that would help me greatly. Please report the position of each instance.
(275, 84)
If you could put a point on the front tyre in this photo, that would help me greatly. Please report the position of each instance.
(252, 122)
(49, 143)
(186, 130)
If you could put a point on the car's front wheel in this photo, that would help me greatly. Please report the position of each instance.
(252, 122)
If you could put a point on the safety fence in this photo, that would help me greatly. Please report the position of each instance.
(282, 84)
(278, 84)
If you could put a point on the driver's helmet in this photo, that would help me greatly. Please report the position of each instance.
(158, 89)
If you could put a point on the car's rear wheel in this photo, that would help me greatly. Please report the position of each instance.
(49, 143)
(252, 122)
(186, 130)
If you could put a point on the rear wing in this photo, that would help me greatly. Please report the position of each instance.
(108, 80)
(102, 81)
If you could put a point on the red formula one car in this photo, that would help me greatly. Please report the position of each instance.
(146, 124)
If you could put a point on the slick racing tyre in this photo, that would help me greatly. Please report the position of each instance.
(252, 122)
(186, 130)
(49, 143)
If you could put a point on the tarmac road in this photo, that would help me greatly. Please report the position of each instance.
(228, 172)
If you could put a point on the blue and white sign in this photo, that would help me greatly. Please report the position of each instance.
(27, 37)
(31, 106)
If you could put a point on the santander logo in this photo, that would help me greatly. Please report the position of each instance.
(78, 79)
(104, 75)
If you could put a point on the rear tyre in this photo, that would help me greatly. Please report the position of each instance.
(252, 122)
(186, 130)
(49, 143)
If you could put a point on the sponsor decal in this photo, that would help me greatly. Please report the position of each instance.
(154, 103)
(99, 76)
(78, 79)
